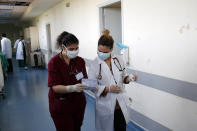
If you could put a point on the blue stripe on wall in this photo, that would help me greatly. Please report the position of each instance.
(177, 87)
(146, 122)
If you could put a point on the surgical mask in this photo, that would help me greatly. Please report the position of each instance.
(103, 56)
(72, 54)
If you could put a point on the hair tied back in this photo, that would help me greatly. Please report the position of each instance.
(106, 32)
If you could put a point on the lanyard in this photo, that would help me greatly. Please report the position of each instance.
(70, 68)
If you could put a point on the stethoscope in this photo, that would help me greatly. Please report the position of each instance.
(99, 77)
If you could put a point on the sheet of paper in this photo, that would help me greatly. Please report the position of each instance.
(90, 83)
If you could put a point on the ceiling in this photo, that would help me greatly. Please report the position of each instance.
(16, 10)
(37, 7)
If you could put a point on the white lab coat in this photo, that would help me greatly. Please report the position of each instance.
(105, 106)
(19, 51)
(6, 47)
(16, 43)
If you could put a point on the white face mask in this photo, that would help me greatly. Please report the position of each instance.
(103, 56)
(72, 54)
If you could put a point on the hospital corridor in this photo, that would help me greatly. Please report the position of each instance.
(98, 65)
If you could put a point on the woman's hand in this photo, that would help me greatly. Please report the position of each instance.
(134, 77)
(130, 78)
(75, 88)
(112, 89)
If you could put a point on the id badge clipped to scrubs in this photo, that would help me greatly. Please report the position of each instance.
(79, 76)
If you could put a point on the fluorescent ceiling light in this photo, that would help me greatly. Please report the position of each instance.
(15, 3)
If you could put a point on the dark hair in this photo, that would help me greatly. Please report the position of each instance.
(21, 37)
(3, 35)
(106, 39)
(67, 39)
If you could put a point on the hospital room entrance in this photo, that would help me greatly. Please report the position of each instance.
(111, 19)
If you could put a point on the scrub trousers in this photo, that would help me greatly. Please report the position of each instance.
(119, 121)
(70, 122)
(10, 67)
(21, 63)
(68, 114)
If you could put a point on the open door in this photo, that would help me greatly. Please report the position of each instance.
(110, 18)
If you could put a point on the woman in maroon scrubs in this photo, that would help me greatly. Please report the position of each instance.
(66, 97)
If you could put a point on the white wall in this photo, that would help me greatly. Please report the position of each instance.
(162, 38)
(81, 19)
(174, 112)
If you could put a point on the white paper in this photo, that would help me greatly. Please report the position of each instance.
(90, 83)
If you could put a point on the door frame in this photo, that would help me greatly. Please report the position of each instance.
(49, 42)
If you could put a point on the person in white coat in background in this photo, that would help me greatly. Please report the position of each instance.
(21, 53)
(17, 41)
(6, 49)
(111, 101)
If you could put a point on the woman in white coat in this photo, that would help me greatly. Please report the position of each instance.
(21, 54)
(111, 101)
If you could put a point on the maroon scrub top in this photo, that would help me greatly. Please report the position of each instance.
(60, 73)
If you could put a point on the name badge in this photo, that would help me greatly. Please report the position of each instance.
(79, 76)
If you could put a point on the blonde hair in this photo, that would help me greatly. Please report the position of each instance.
(106, 32)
